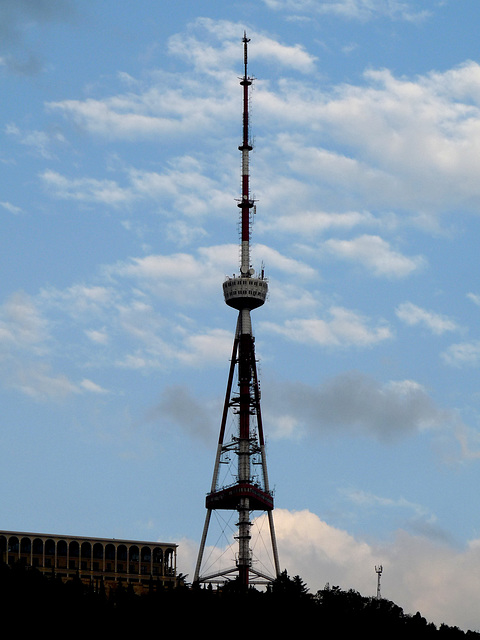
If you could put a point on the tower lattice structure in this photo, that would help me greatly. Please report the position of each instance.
(250, 491)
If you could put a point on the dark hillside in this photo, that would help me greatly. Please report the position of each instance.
(37, 601)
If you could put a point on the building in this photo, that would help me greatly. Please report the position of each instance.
(94, 560)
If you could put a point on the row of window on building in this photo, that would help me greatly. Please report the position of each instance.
(110, 559)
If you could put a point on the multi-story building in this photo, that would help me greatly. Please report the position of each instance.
(94, 560)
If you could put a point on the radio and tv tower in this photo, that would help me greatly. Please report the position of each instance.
(249, 491)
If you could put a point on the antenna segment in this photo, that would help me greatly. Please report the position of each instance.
(246, 203)
(247, 493)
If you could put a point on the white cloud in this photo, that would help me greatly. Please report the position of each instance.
(97, 336)
(463, 354)
(324, 554)
(40, 142)
(364, 499)
(182, 277)
(469, 441)
(130, 316)
(475, 298)
(81, 300)
(210, 59)
(27, 349)
(214, 345)
(36, 380)
(412, 315)
(191, 191)
(157, 343)
(375, 254)
(290, 56)
(183, 234)
(89, 385)
(409, 144)
(182, 188)
(120, 321)
(8, 206)
(191, 278)
(276, 260)
(340, 328)
(353, 9)
(314, 222)
(167, 106)
(22, 325)
(29, 346)
(439, 581)
(118, 117)
(318, 175)
(87, 189)
(290, 298)
(171, 105)
(419, 574)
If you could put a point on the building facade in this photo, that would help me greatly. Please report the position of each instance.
(95, 560)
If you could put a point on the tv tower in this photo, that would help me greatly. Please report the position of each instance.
(248, 492)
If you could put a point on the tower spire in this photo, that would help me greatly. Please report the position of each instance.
(245, 203)
(248, 492)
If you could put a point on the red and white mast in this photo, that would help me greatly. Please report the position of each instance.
(246, 203)
(244, 293)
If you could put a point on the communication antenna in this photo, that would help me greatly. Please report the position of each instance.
(378, 569)
(246, 491)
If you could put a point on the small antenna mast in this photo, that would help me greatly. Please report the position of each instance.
(378, 570)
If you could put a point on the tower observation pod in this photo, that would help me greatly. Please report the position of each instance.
(247, 489)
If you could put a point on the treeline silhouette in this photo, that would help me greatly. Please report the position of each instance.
(38, 601)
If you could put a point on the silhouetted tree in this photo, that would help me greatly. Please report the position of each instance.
(335, 611)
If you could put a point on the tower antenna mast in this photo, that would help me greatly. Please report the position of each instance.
(246, 494)
(378, 570)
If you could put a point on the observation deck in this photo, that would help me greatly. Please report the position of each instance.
(244, 292)
(229, 497)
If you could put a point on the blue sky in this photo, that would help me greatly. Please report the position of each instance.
(120, 124)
